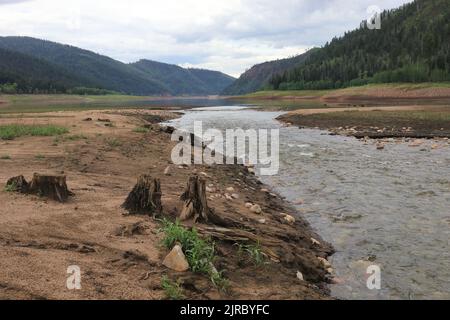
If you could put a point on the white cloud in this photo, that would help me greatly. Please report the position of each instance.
(227, 35)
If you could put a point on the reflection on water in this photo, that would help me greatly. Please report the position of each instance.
(389, 208)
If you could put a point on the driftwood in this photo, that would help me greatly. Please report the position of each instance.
(51, 186)
(145, 198)
(17, 184)
(241, 236)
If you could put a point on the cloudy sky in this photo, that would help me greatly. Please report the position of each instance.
(225, 35)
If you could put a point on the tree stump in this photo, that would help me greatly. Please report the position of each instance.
(196, 204)
(145, 198)
(51, 186)
(17, 184)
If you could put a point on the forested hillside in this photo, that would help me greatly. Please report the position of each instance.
(33, 65)
(259, 76)
(185, 81)
(413, 45)
(22, 73)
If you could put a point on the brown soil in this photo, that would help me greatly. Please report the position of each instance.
(120, 255)
(374, 122)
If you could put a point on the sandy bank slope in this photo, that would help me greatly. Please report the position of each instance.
(39, 239)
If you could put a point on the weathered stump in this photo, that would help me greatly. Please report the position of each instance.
(196, 204)
(51, 186)
(145, 198)
(17, 184)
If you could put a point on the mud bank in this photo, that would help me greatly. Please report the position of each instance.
(416, 122)
(120, 256)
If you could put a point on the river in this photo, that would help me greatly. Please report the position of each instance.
(389, 208)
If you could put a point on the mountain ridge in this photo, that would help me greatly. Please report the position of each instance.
(260, 75)
(90, 69)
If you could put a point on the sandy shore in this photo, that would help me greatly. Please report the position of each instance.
(40, 238)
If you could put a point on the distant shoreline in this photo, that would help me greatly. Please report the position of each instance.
(368, 93)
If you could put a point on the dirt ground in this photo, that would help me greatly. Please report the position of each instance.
(40, 238)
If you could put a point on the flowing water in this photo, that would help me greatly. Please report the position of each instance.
(389, 208)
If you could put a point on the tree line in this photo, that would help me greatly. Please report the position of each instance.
(412, 46)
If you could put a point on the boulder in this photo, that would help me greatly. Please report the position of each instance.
(176, 260)
(325, 262)
(289, 219)
(256, 209)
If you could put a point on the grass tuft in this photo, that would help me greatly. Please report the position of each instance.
(173, 290)
(141, 130)
(200, 253)
(10, 187)
(254, 252)
(113, 142)
(12, 131)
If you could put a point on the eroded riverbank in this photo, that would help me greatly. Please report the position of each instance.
(120, 256)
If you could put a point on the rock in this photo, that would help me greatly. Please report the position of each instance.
(235, 196)
(256, 209)
(289, 219)
(325, 262)
(300, 276)
(299, 202)
(435, 146)
(265, 190)
(380, 146)
(262, 221)
(330, 270)
(176, 260)
(230, 189)
(248, 205)
(315, 242)
(228, 197)
(167, 171)
(251, 170)
(211, 189)
(204, 174)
